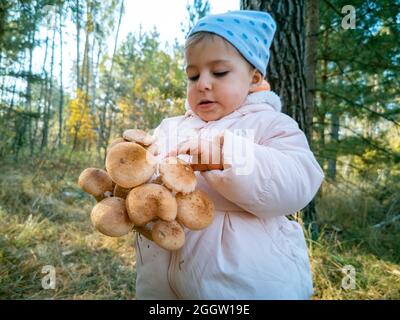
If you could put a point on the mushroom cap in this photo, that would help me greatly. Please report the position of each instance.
(109, 216)
(168, 235)
(129, 164)
(121, 192)
(138, 136)
(177, 175)
(149, 202)
(195, 210)
(114, 142)
(96, 182)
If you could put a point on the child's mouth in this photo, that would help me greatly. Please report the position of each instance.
(206, 104)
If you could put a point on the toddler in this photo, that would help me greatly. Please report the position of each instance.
(254, 163)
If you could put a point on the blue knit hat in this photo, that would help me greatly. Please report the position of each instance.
(250, 32)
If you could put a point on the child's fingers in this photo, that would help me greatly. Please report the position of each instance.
(186, 147)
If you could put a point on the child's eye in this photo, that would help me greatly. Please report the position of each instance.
(220, 74)
(194, 78)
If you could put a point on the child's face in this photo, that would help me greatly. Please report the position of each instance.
(219, 78)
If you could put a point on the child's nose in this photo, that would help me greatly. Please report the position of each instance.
(204, 83)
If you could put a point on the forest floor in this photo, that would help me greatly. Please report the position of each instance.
(45, 221)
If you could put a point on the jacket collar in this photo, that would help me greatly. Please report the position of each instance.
(254, 102)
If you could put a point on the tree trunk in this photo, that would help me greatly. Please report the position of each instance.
(286, 71)
(312, 28)
(61, 103)
(29, 91)
(320, 112)
(49, 98)
(105, 130)
(334, 135)
(78, 31)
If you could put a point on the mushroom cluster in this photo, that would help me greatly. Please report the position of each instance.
(136, 192)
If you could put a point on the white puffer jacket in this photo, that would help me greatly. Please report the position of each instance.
(251, 250)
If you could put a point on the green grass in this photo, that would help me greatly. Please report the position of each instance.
(349, 238)
(44, 220)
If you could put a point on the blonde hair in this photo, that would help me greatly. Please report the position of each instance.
(198, 37)
(204, 35)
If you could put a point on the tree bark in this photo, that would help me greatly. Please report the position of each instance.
(334, 135)
(286, 71)
(61, 103)
(49, 98)
(78, 31)
(312, 28)
(29, 91)
(104, 129)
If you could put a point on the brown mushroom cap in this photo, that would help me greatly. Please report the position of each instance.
(109, 216)
(195, 210)
(149, 202)
(121, 192)
(129, 164)
(138, 136)
(96, 182)
(177, 175)
(168, 235)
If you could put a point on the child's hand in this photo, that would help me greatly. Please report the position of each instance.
(206, 155)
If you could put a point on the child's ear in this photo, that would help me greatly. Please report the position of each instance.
(256, 80)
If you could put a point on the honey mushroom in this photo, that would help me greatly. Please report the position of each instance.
(109, 217)
(168, 234)
(195, 210)
(177, 175)
(160, 209)
(96, 182)
(129, 164)
(138, 136)
(141, 137)
(150, 202)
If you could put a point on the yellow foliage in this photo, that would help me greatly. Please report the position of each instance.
(80, 121)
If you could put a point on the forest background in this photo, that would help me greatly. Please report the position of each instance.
(334, 63)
